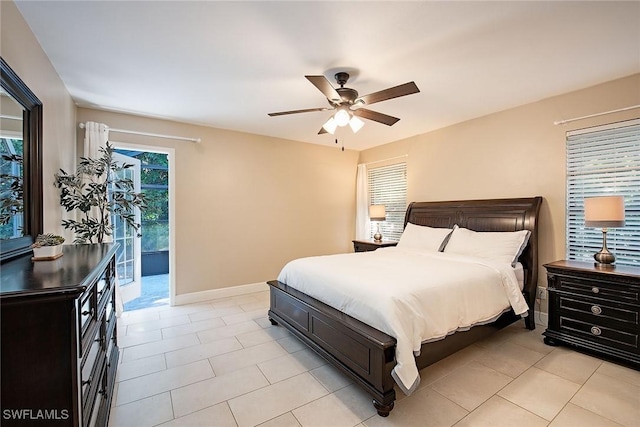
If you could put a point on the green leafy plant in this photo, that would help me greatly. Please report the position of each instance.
(47, 240)
(97, 192)
(11, 190)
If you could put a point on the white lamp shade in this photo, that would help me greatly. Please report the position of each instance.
(330, 126)
(377, 213)
(355, 124)
(604, 211)
(342, 117)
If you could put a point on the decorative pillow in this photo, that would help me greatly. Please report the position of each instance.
(505, 246)
(423, 238)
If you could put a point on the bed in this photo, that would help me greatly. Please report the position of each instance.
(365, 353)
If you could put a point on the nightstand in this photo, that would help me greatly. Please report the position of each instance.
(595, 309)
(371, 245)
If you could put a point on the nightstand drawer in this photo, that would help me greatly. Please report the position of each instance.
(595, 310)
(601, 334)
(598, 289)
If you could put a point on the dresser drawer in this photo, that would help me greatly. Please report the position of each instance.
(103, 286)
(87, 320)
(599, 311)
(597, 289)
(90, 372)
(597, 333)
(91, 410)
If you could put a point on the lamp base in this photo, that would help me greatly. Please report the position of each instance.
(378, 236)
(604, 256)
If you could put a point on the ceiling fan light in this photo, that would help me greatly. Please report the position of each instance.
(330, 126)
(342, 118)
(356, 124)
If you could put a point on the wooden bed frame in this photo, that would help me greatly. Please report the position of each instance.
(367, 355)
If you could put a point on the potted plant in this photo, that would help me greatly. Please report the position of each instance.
(97, 192)
(47, 246)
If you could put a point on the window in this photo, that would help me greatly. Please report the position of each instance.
(604, 161)
(388, 187)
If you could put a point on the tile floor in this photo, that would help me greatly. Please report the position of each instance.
(221, 363)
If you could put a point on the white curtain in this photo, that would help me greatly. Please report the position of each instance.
(96, 136)
(362, 204)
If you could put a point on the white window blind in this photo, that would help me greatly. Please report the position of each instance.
(604, 161)
(388, 187)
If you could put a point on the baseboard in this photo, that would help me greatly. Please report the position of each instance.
(541, 318)
(231, 291)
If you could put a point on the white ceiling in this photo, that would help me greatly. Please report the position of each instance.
(228, 64)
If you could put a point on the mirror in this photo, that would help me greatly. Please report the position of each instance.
(20, 165)
(11, 171)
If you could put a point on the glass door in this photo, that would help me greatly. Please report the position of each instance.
(128, 258)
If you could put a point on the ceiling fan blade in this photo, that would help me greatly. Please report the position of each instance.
(322, 130)
(325, 87)
(375, 116)
(392, 92)
(308, 110)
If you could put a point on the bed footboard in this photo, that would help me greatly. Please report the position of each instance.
(363, 353)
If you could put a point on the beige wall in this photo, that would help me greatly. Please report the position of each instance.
(513, 153)
(21, 50)
(247, 204)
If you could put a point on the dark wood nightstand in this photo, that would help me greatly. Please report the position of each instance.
(371, 245)
(595, 308)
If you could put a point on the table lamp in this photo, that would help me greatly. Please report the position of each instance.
(604, 212)
(377, 213)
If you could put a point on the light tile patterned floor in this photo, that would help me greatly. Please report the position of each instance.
(221, 363)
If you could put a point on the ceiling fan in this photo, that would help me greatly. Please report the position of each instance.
(349, 105)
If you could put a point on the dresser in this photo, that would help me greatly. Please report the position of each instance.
(595, 309)
(371, 245)
(59, 346)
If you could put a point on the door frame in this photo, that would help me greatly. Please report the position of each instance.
(171, 154)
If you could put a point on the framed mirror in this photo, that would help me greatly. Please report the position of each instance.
(21, 165)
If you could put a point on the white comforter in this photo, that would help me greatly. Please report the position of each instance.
(412, 296)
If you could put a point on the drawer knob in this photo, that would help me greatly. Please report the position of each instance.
(596, 331)
(596, 310)
(595, 290)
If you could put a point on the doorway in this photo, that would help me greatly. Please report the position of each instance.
(152, 258)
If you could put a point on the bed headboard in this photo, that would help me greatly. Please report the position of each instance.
(488, 215)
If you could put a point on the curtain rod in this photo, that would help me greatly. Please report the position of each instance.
(157, 135)
(561, 122)
(385, 160)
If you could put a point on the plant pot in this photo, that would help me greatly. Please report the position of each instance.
(47, 252)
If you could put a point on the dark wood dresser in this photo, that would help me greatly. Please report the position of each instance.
(596, 309)
(371, 245)
(58, 343)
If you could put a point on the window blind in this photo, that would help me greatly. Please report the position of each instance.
(388, 187)
(604, 161)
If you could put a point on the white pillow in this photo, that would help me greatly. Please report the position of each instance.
(423, 238)
(501, 246)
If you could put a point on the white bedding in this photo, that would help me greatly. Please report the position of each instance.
(411, 295)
